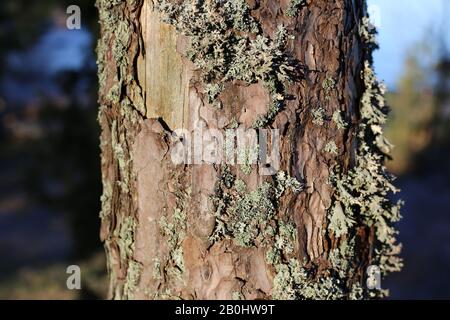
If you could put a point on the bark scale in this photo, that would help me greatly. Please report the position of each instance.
(224, 231)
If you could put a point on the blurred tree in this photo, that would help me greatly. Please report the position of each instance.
(439, 151)
(421, 107)
(65, 172)
(61, 163)
(412, 113)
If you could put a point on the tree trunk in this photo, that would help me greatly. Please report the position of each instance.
(186, 211)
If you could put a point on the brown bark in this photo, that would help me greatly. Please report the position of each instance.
(149, 89)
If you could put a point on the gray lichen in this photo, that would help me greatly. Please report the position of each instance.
(246, 216)
(175, 232)
(125, 241)
(234, 48)
(250, 218)
(367, 33)
(115, 23)
(174, 227)
(338, 120)
(157, 269)
(294, 7)
(328, 85)
(340, 223)
(247, 157)
(134, 271)
(293, 282)
(106, 199)
(331, 148)
(236, 295)
(126, 238)
(318, 115)
(361, 197)
(118, 142)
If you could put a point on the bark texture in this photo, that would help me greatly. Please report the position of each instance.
(204, 231)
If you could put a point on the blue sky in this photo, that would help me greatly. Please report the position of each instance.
(403, 23)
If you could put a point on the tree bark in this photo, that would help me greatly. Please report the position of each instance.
(228, 230)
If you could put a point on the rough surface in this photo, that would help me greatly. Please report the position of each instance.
(208, 231)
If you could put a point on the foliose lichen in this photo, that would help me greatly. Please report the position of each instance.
(294, 282)
(247, 157)
(328, 85)
(361, 197)
(157, 269)
(175, 231)
(339, 120)
(248, 217)
(234, 48)
(125, 240)
(294, 7)
(331, 148)
(134, 271)
(126, 237)
(318, 115)
(236, 295)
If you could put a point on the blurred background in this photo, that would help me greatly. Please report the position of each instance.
(49, 154)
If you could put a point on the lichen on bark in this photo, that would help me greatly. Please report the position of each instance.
(362, 195)
(249, 217)
(234, 49)
(263, 237)
(115, 54)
